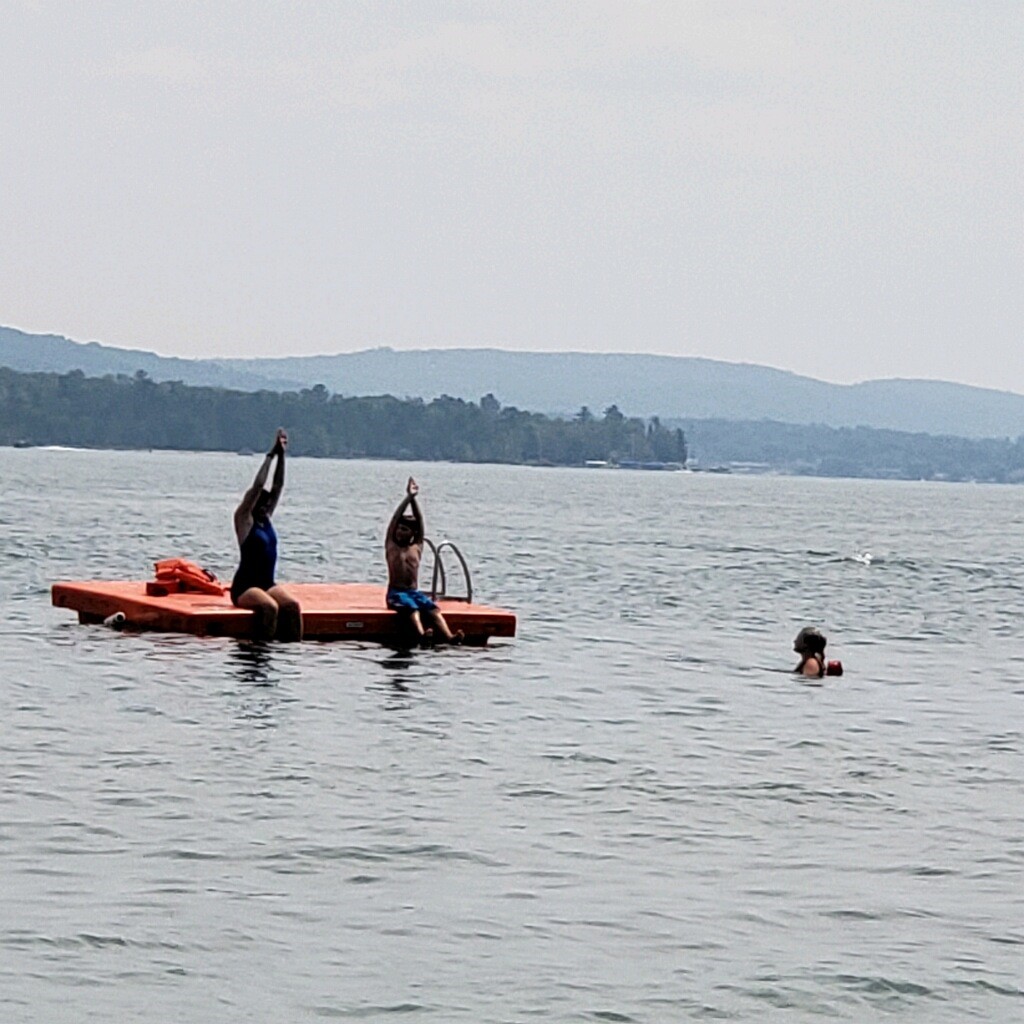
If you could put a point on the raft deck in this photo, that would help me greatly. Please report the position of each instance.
(330, 611)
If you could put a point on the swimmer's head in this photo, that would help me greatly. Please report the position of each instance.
(809, 641)
(405, 531)
(261, 510)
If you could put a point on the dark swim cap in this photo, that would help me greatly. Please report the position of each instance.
(810, 639)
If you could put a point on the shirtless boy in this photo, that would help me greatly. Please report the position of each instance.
(403, 548)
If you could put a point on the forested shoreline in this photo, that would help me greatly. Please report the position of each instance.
(859, 452)
(136, 412)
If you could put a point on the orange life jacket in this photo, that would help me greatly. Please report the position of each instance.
(178, 574)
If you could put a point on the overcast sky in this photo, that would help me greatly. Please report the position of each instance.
(832, 188)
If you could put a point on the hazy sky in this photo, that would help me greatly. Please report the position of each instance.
(833, 188)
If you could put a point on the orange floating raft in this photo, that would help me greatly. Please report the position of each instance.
(330, 611)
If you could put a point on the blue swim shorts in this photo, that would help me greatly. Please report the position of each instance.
(409, 600)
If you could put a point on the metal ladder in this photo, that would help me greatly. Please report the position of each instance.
(440, 576)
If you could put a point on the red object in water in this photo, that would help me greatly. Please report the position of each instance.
(834, 668)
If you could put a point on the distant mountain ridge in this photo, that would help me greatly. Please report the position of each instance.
(37, 353)
(671, 387)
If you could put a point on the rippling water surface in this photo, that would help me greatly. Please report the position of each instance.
(630, 813)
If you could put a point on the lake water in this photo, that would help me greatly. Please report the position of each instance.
(632, 812)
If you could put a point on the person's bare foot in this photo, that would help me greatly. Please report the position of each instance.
(427, 639)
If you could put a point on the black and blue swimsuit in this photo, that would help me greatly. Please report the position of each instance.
(259, 559)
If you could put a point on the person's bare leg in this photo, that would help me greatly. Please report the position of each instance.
(446, 634)
(289, 614)
(424, 633)
(264, 612)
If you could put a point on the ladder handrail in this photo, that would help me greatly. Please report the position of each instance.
(437, 567)
(439, 571)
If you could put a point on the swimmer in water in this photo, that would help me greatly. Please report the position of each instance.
(810, 645)
(275, 612)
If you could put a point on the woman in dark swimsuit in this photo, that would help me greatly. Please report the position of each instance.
(275, 612)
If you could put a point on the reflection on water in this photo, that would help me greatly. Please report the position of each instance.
(252, 661)
(398, 666)
(633, 812)
(399, 678)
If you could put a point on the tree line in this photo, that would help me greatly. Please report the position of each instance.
(854, 451)
(136, 412)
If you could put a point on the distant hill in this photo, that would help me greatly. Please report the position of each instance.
(640, 385)
(51, 353)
